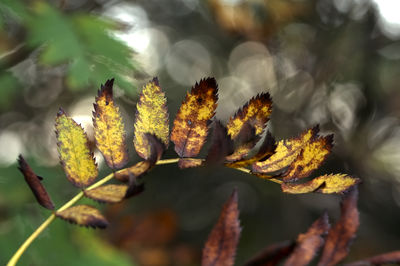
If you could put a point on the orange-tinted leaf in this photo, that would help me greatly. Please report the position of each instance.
(151, 118)
(387, 258)
(136, 170)
(266, 150)
(273, 254)
(256, 111)
(334, 183)
(189, 163)
(77, 160)
(109, 131)
(285, 153)
(83, 215)
(220, 248)
(191, 123)
(342, 233)
(108, 193)
(244, 142)
(222, 144)
(311, 157)
(308, 244)
(34, 183)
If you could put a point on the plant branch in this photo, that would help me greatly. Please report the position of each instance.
(13, 261)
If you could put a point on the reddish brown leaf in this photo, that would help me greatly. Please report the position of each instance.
(308, 244)
(34, 183)
(273, 254)
(191, 123)
(220, 248)
(184, 163)
(387, 258)
(84, 215)
(222, 145)
(341, 235)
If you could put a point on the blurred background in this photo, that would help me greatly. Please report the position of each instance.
(330, 62)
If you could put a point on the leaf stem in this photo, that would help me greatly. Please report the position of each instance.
(13, 261)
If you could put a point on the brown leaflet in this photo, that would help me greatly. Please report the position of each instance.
(266, 150)
(222, 145)
(311, 157)
(111, 193)
(220, 248)
(244, 142)
(84, 215)
(191, 123)
(273, 254)
(386, 258)
(34, 183)
(184, 163)
(343, 232)
(308, 244)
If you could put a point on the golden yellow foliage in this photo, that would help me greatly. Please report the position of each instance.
(83, 215)
(108, 193)
(310, 158)
(286, 152)
(109, 129)
(191, 123)
(151, 118)
(256, 111)
(334, 183)
(75, 156)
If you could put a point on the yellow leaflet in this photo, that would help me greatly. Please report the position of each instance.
(257, 111)
(108, 193)
(151, 118)
(334, 183)
(83, 215)
(239, 153)
(285, 153)
(73, 147)
(191, 123)
(109, 129)
(310, 158)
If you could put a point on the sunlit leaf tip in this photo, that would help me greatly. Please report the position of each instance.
(151, 118)
(109, 131)
(83, 215)
(34, 182)
(75, 156)
(256, 111)
(190, 128)
(220, 248)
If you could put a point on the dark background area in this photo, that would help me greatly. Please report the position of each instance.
(333, 63)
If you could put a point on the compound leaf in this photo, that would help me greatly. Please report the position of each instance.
(35, 185)
(109, 129)
(151, 118)
(343, 232)
(84, 215)
(77, 160)
(108, 193)
(220, 248)
(286, 152)
(308, 244)
(191, 123)
(334, 183)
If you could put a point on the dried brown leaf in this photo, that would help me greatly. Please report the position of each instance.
(220, 248)
(191, 123)
(381, 259)
(222, 145)
(273, 254)
(109, 131)
(34, 182)
(108, 193)
(184, 163)
(84, 215)
(244, 142)
(343, 232)
(308, 244)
